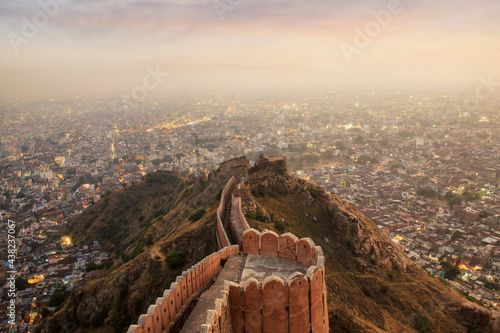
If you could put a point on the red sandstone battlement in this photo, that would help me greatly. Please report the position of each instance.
(273, 303)
(277, 284)
(286, 246)
(166, 313)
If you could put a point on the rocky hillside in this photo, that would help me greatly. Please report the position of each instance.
(373, 286)
(140, 225)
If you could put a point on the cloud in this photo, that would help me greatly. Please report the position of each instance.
(102, 38)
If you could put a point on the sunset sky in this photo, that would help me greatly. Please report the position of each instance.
(103, 47)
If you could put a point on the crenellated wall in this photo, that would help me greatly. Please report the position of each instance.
(222, 238)
(286, 246)
(293, 304)
(167, 313)
(297, 304)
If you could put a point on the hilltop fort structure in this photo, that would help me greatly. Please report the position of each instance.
(258, 282)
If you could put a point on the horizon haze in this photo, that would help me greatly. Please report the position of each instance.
(62, 48)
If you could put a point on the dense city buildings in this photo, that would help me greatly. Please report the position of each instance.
(424, 167)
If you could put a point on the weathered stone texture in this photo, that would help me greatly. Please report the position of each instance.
(269, 244)
(251, 242)
(274, 302)
(253, 305)
(298, 293)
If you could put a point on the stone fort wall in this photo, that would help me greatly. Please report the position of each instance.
(165, 314)
(242, 216)
(238, 225)
(297, 304)
(222, 239)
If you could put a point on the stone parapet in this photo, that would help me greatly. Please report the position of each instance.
(222, 238)
(286, 246)
(163, 315)
(297, 304)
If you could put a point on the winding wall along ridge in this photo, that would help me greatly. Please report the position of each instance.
(222, 238)
(297, 304)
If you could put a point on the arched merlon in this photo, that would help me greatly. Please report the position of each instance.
(269, 243)
(237, 306)
(299, 307)
(251, 242)
(146, 322)
(169, 296)
(135, 329)
(162, 304)
(306, 252)
(252, 296)
(315, 277)
(288, 246)
(274, 305)
(154, 312)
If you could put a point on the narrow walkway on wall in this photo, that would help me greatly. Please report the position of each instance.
(274, 282)
(231, 272)
(227, 223)
(232, 219)
(236, 225)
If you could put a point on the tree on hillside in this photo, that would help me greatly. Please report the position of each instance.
(450, 270)
(456, 200)
(175, 259)
(427, 193)
(472, 195)
(448, 195)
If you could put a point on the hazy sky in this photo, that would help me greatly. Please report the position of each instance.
(105, 46)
